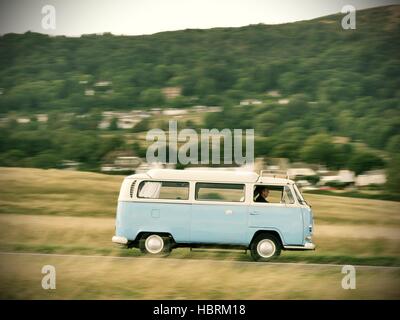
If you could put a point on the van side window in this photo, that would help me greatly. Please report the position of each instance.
(164, 190)
(220, 192)
(274, 194)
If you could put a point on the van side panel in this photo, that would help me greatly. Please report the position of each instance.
(219, 223)
(287, 221)
(136, 217)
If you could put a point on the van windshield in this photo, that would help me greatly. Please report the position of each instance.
(299, 196)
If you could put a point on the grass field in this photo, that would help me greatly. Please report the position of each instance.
(105, 278)
(70, 193)
(63, 212)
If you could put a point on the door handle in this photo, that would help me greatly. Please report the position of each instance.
(254, 213)
(228, 212)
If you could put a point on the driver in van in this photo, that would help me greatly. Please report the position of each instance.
(262, 194)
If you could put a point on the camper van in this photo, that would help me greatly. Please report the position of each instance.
(165, 209)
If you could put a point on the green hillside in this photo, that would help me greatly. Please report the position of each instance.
(316, 57)
(339, 83)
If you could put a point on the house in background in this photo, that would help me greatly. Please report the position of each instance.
(127, 121)
(199, 109)
(273, 93)
(342, 176)
(70, 165)
(275, 164)
(174, 112)
(42, 117)
(120, 161)
(155, 111)
(145, 166)
(23, 120)
(283, 101)
(103, 84)
(123, 163)
(300, 172)
(373, 177)
(250, 102)
(214, 109)
(171, 92)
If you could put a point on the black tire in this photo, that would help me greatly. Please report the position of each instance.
(268, 240)
(164, 251)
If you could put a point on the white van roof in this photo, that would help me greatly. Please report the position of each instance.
(211, 175)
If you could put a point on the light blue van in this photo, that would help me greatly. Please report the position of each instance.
(165, 209)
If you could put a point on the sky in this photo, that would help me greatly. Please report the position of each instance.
(137, 17)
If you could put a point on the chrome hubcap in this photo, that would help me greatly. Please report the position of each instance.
(266, 248)
(154, 244)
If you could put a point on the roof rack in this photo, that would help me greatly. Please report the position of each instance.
(274, 174)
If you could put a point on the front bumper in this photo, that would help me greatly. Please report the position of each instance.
(307, 246)
(310, 246)
(119, 240)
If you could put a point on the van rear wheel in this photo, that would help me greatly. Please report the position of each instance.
(265, 247)
(155, 244)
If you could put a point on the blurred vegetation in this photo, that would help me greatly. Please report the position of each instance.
(337, 82)
(49, 144)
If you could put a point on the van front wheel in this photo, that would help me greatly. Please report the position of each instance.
(155, 244)
(265, 247)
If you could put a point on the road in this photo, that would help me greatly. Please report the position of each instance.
(208, 260)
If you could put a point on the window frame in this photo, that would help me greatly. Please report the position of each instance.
(195, 193)
(139, 186)
(283, 186)
(299, 197)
